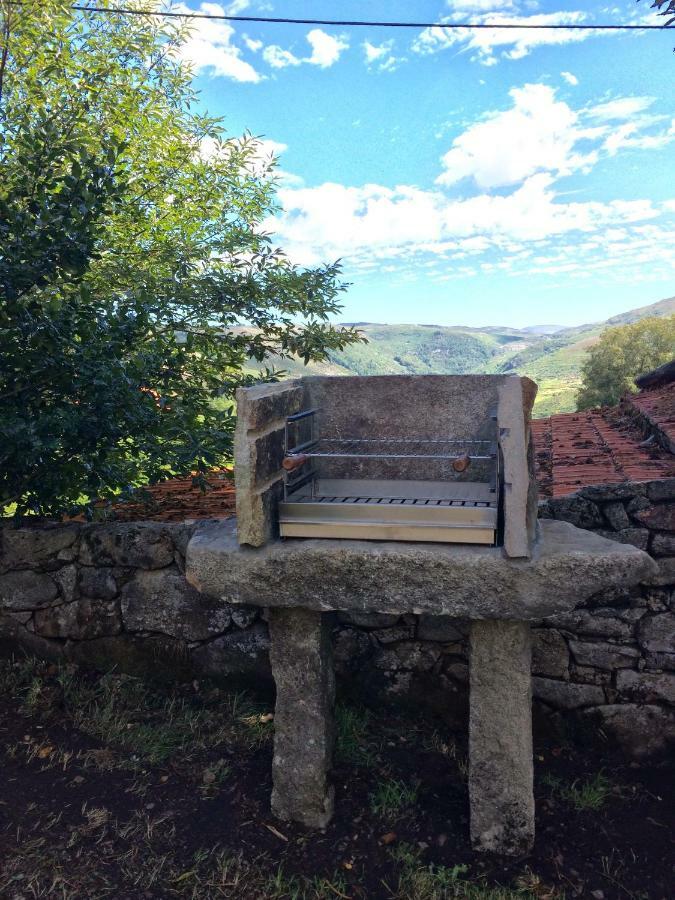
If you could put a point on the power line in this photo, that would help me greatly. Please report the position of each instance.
(124, 11)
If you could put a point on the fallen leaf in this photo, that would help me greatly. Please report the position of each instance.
(388, 838)
(45, 752)
(208, 777)
(267, 717)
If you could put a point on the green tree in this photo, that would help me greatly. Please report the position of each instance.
(135, 276)
(621, 354)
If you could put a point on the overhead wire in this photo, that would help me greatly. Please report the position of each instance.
(357, 23)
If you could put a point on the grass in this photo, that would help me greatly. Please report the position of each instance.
(353, 743)
(591, 794)
(392, 797)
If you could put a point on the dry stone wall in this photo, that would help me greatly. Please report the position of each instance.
(115, 595)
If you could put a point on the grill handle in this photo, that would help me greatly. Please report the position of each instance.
(291, 463)
(462, 463)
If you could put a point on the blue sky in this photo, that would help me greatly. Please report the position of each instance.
(473, 178)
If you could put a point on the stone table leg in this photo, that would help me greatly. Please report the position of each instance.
(500, 737)
(302, 665)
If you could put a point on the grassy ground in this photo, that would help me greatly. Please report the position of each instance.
(116, 788)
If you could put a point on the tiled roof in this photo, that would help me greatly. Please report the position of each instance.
(178, 499)
(605, 446)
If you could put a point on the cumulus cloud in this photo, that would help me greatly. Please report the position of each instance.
(380, 56)
(509, 206)
(210, 45)
(570, 79)
(326, 51)
(513, 43)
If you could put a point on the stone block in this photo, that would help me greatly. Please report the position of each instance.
(550, 655)
(604, 656)
(566, 694)
(657, 518)
(605, 622)
(666, 572)
(80, 620)
(143, 545)
(513, 415)
(26, 590)
(367, 619)
(413, 655)
(601, 493)
(30, 547)
(638, 537)
(244, 616)
(578, 511)
(441, 628)
(616, 515)
(501, 797)
(351, 649)
(646, 687)
(97, 583)
(242, 654)
(663, 545)
(66, 578)
(257, 521)
(660, 661)
(263, 404)
(664, 489)
(640, 731)
(304, 731)
(656, 634)
(163, 601)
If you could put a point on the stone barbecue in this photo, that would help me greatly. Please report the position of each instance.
(300, 461)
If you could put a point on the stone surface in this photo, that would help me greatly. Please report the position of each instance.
(664, 489)
(29, 547)
(440, 628)
(640, 731)
(80, 620)
(162, 601)
(638, 537)
(368, 619)
(604, 622)
(647, 687)
(143, 545)
(656, 634)
(603, 655)
(242, 654)
(616, 515)
(550, 655)
(439, 579)
(26, 590)
(514, 441)
(663, 545)
(302, 665)
(604, 492)
(566, 695)
(578, 511)
(98, 584)
(66, 578)
(500, 738)
(410, 655)
(659, 518)
(244, 616)
(258, 451)
(666, 571)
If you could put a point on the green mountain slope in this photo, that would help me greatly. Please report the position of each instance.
(552, 360)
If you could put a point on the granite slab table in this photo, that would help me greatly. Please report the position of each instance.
(302, 581)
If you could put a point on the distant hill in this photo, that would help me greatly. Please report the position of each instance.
(551, 356)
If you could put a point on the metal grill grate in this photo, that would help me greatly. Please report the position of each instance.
(399, 501)
(395, 448)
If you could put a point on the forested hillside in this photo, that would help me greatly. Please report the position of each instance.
(552, 360)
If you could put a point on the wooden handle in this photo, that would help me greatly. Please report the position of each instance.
(291, 463)
(462, 463)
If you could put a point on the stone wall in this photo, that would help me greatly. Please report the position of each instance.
(115, 595)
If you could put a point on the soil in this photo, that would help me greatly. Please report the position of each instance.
(66, 821)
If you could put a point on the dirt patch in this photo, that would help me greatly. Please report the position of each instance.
(113, 787)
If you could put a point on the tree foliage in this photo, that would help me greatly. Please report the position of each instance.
(665, 8)
(621, 354)
(135, 276)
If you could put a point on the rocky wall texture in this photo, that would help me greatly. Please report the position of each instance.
(115, 595)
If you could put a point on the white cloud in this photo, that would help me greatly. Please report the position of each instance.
(621, 108)
(514, 43)
(538, 133)
(278, 58)
(252, 45)
(570, 79)
(380, 56)
(326, 49)
(210, 46)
